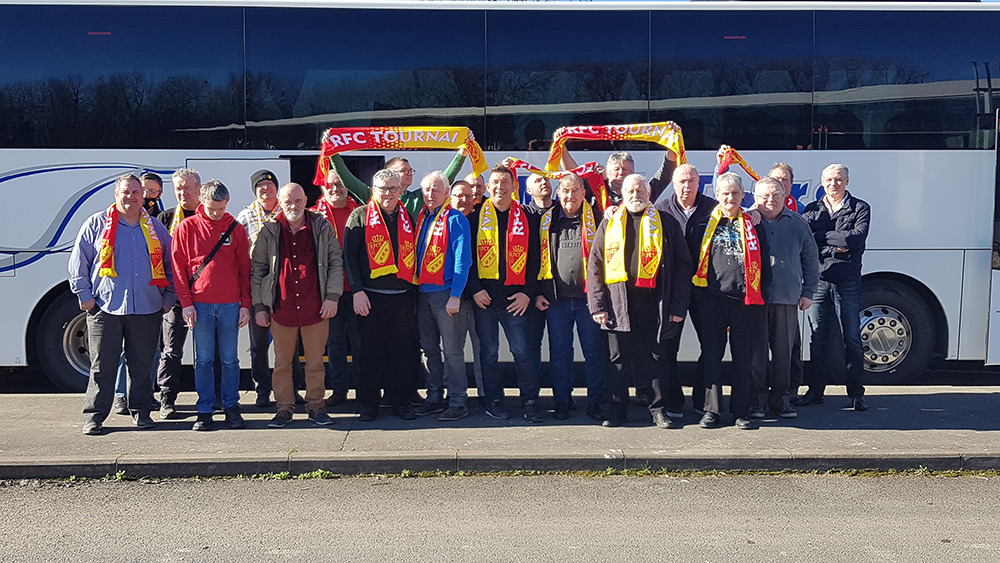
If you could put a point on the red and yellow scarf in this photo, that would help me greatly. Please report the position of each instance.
(664, 133)
(751, 256)
(323, 206)
(106, 251)
(587, 172)
(436, 246)
(650, 247)
(588, 228)
(379, 245)
(488, 244)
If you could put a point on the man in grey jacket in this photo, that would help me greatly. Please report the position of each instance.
(794, 262)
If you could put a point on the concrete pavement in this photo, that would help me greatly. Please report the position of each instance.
(937, 427)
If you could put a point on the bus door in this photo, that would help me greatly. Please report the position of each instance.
(993, 332)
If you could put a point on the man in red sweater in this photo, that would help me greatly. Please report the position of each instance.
(212, 276)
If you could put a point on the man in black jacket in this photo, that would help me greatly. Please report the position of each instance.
(638, 285)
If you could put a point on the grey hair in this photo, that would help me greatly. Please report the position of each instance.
(731, 178)
(620, 157)
(641, 179)
(571, 178)
(214, 190)
(838, 167)
(786, 167)
(768, 181)
(186, 173)
(385, 175)
(436, 176)
(125, 179)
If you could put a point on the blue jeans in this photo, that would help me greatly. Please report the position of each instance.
(562, 314)
(216, 320)
(488, 323)
(835, 321)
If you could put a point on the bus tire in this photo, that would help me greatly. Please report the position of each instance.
(62, 344)
(897, 333)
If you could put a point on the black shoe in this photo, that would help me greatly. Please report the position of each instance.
(217, 406)
(204, 422)
(368, 414)
(595, 412)
(429, 408)
(280, 420)
(860, 404)
(384, 403)
(744, 423)
(808, 399)
(320, 418)
(120, 406)
(614, 421)
(642, 398)
(234, 419)
(497, 411)
(404, 412)
(710, 420)
(335, 400)
(662, 420)
(454, 413)
(416, 400)
(561, 412)
(531, 414)
(91, 428)
(167, 409)
(142, 421)
(263, 400)
(299, 399)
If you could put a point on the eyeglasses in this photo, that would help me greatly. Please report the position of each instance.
(388, 189)
(408, 171)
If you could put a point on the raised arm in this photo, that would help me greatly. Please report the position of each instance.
(355, 187)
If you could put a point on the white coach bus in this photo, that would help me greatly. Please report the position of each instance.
(902, 93)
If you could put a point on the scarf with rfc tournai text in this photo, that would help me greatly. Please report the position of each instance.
(488, 244)
(751, 256)
(436, 241)
(107, 247)
(379, 245)
(650, 247)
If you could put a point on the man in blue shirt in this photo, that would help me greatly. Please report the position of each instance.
(120, 270)
(444, 258)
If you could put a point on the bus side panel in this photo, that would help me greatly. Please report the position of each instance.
(975, 305)
(21, 294)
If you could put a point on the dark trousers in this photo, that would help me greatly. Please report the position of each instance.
(389, 348)
(782, 326)
(561, 316)
(635, 355)
(488, 323)
(795, 375)
(260, 362)
(343, 330)
(534, 331)
(106, 333)
(174, 332)
(747, 325)
(834, 320)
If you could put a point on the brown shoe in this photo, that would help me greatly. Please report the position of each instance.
(335, 399)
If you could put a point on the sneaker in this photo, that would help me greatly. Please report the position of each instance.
(786, 412)
(744, 423)
(234, 419)
(757, 413)
(335, 400)
(497, 411)
(860, 404)
(674, 414)
(368, 414)
(595, 412)
(429, 408)
(531, 414)
(808, 399)
(204, 422)
(167, 409)
(404, 412)
(263, 400)
(454, 413)
(320, 418)
(280, 420)
(662, 420)
(91, 428)
(142, 420)
(710, 420)
(561, 411)
(120, 406)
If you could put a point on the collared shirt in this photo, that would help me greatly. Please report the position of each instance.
(298, 299)
(253, 216)
(129, 293)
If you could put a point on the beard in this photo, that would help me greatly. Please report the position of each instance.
(635, 206)
(293, 215)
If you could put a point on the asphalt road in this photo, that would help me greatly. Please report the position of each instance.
(544, 518)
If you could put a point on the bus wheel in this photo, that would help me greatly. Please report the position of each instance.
(897, 333)
(63, 346)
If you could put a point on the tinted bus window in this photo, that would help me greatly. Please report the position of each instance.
(312, 69)
(550, 69)
(904, 80)
(107, 77)
(739, 78)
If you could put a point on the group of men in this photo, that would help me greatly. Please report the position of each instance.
(407, 277)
